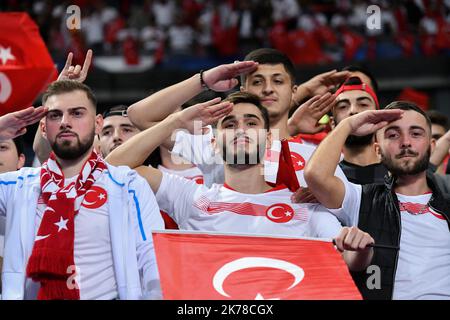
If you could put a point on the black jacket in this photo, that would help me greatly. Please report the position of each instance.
(379, 216)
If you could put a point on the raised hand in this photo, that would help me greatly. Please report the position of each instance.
(306, 117)
(223, 77)
(370, 121)
(76, 73)
(206, 113)
(353, 239)
(14, 124)
(322, 83)
(303, 195)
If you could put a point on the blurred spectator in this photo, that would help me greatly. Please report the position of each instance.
(164, 12)
(181, 37)
(151, 36)
(328, 30)
(92, 27)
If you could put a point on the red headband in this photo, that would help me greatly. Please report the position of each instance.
(363, 87)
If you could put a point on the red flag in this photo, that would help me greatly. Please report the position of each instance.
(25, 64)
(200, 266)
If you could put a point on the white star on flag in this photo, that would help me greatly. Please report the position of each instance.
(61, 224)
(101, 196)
(300, 163)
(5, 55)
(288, 214)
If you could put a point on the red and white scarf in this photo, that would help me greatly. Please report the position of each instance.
(52, 262)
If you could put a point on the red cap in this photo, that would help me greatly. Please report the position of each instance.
(363, 86)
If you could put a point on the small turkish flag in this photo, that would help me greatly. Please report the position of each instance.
(199, 266)
(26, 67)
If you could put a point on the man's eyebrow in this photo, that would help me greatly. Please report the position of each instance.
(259, 75)
(363, 98)
(397, 128)
(106, 127)
(228, 118)
(416, 127)
(127, 125)
(70, 109)
(343, 100)
(251, 115)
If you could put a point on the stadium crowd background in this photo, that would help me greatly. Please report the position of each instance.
(142, 46)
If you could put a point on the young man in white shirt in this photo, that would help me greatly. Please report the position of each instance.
(409, 212)
(267, 73)
(245, 203)
(76, 228)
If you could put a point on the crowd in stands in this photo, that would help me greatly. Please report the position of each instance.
(310, 32)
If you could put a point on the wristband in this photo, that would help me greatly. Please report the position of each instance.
(202, 81)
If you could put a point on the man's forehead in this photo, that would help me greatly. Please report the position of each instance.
(116, 121)
(68, 100)
(354, 95)
(269, 70)
(242, 110)
(409, 120)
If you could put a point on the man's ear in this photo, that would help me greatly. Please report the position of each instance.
(43, 127)
(98, 124)
(377, 148)
(432, 144)
(332, 122)
(21, 161)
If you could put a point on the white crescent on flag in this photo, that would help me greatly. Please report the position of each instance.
(255, 262)
(5, 88)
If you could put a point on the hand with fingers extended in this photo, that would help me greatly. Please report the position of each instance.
(320, 84)
(14, 124)
(77, 73)
(353, 239)
(303, 195)
(305, 119)
(223, 78)
(206, 113)
(370, 121)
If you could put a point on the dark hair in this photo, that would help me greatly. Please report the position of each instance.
(359, 68)
(270, 56)
(438, 118)
(65, 86)
(18, 141)
(119, 110)
(246, 97)
(407, 105)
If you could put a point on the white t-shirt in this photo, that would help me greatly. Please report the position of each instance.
(92, 244)
(193, 173)
(424, 258)
(221, 209)
(2, 234)
(199, 150)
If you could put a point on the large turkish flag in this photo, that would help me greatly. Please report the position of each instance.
(26, 67)
(204, 266)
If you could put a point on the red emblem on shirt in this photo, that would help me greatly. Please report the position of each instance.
(280, 213)
(95, 197)
(297, 161)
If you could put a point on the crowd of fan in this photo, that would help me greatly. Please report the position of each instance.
(310, 32)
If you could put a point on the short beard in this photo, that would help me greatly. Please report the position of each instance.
(420, 166)
(243, 160)
(358, 141)
(66, 152)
